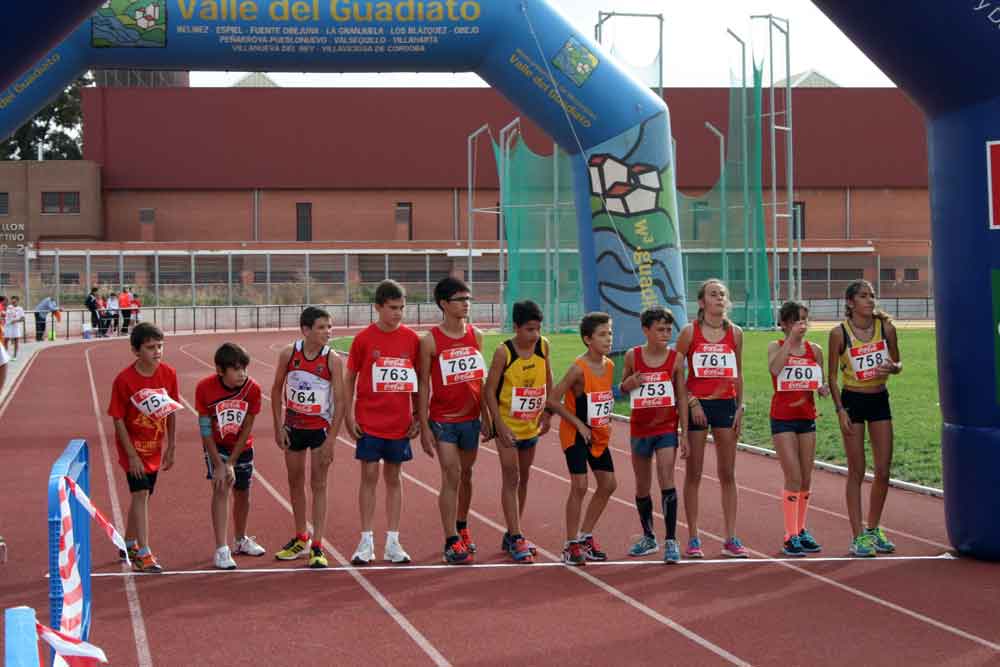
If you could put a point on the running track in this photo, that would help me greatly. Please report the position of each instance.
(917, 609)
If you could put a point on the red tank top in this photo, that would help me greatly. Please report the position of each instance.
(457, 373)
(308, 390)
(794, 404)
(712, 368)
(647, 422)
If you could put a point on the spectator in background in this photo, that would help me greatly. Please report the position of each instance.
(3, 308)
(113, 309)
(47, 306)
(4, 360)
(104, 317)
(13, 328)
(125, 304)
(91, 304)
(136, 305)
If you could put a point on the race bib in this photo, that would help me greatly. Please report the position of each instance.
(714, 360)
(599, 406)
(306, 398)
(461, 364)
(865, 359)
(154, 403)
(393, 375)
(527, 403)
(656, 391)
(230, 415)
(800, 374)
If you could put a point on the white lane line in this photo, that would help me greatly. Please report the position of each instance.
(607, 588)
(418, 638)
(144, 658)
(849, 589)
(737, 562)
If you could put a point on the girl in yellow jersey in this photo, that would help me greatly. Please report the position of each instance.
(864, 351)
(519, 382)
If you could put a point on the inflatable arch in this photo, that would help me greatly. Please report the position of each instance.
(940, 53)
(618, 131)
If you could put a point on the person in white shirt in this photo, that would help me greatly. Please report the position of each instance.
(113, 312)
(13, 328)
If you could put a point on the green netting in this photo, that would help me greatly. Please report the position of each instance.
(540, 221)
(722, 230)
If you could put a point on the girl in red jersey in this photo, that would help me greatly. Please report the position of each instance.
(653, 379)
(796, 367)
(713, 347)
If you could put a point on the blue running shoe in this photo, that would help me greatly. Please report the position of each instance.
(644, 546)
(881, 542)
(793, 547)
(809, 543)
(863, 546)
(671, 552)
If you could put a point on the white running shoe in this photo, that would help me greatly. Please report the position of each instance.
(248, 546)
(394, 553)
(365, 553)
(223, 559)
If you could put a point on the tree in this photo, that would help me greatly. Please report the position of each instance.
(56, 127)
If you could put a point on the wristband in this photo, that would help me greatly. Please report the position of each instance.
(205, 425)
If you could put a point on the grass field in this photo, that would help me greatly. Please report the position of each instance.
(916, 417)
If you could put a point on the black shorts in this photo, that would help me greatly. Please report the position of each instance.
(796, 426)
(243, 468)
(301, 439)
(720, 413)
(578, 457)
(147, 483)
(863, 408)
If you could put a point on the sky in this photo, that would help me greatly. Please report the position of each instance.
(697, 50)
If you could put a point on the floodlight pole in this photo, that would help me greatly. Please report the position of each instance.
(471, 178)
(507, 135)
(723, 204)
(748, 269)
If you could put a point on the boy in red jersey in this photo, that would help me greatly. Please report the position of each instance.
(451, 410)
(307, 403)
(144, 398)
(382, 364)
(655, 384)
(585, 436)
(228, 402)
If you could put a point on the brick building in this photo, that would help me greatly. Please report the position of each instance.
(386, 168)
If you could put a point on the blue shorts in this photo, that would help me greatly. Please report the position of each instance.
(243, 468)
(463, 434)
(527, 443)
(373, 449)
(647, 445)
(720, 413)
(793, 426)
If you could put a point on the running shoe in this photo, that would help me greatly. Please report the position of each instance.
(146, 563)
(644, 546)
(532, 547)
(793, 547)
(295, 548)
(133, 549)
(809, 543)
(248, 546)
(466, 538)
(365, 553)
(505, 542)
(317, 559)
(733, 548)
(863, 546)
(881, 542)
(671, 552)
(520, 552)
(223, 560)
(694, 548)
(573, 554)
(457, 554)
(592, 550)
(394, 553)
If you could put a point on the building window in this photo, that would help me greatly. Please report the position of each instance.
(888, 275)
(799, 211)
(4, 203)
(404, 217)
(60, 202)
(304, 221)
(111, 278)
(911, 275)
(847, 274)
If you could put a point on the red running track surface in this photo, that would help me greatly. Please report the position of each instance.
(761, 612)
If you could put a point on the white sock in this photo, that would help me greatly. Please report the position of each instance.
(583, 536)
(367, 536)
(392, 537)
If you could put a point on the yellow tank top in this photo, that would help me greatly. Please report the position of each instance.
(859, 359)
(521, 392)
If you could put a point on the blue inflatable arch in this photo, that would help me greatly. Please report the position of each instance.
(940, 53)
(619, 130)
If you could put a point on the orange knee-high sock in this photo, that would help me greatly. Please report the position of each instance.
(789, 507)
(802, 509)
